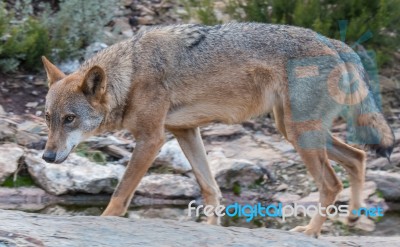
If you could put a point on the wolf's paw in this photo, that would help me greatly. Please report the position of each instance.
(308, 230)
(213, 220)
(113, 212)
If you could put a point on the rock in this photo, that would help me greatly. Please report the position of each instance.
(2, 111)
(247, 148)
(118, 152)
(363, 223)
(9, 157)
(31, 104)
(168, 186)
(35, 127)
(397, 136)
(363, 241)
(30, 140)
(127, 33)
(343, 197)
(7, 130)
(61, 210)
(76, 174)
(145, 20)
(282, 187)
(92, 49)
(369, 190)
(144, 10)
(171, 155)
(278, 142)
(69, 66)
(222, 130)
(286, 197)
(127, 3)
(387, 183)
(160, 212)
(383, 163)
(24, 229)
(104, 141)
(25, 198)
(139, 200)
(121, 24)
(227, 172)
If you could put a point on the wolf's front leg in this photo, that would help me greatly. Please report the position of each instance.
(142, 158)
(192, 145)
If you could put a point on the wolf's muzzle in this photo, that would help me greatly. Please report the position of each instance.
(49, 156)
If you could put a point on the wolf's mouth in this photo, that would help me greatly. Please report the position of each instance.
(63, 159)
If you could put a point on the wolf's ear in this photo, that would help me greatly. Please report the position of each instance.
(53, 73)
(94, 83)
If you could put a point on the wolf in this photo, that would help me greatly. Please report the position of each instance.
(177, 78)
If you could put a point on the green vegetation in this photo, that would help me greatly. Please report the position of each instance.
(78, 24)
(61, 35)
(84, 150)
(236, 189)
(202, 10)
(22, 41)
(23, 180)
(346, 183)
(371, 23)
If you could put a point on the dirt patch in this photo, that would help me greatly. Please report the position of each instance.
(22, 93)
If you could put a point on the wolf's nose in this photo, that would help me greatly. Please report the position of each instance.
(49, 156)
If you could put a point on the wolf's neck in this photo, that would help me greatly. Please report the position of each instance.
(117, 62)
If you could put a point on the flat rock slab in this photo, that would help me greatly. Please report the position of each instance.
(364, 241)
(24, 229)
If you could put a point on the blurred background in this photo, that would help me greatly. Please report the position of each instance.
(251, 161)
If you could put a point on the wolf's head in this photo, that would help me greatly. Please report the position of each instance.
(75, 108)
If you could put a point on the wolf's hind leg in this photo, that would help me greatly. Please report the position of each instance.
(312, 151)
(193, 148)
(327, 182)
(353, 161)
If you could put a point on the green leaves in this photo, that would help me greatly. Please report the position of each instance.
(62, 35)
(380, 17)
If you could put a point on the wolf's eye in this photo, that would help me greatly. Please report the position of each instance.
(69, 119)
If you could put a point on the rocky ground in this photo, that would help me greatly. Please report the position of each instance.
(251, 161)
(22, 229)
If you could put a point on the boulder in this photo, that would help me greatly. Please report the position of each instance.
(168, 186)
(69, 66)
(9, 157)
(383, 163)
(172, 156)
(228, 172)
(2, 111)
(387, 183)
(7, 130)
(76, 174)
(92, 49)
(343, 197)
(30, 140)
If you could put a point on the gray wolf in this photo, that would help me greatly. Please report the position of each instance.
(180, 77)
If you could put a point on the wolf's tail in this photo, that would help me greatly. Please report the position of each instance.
(370, 126)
